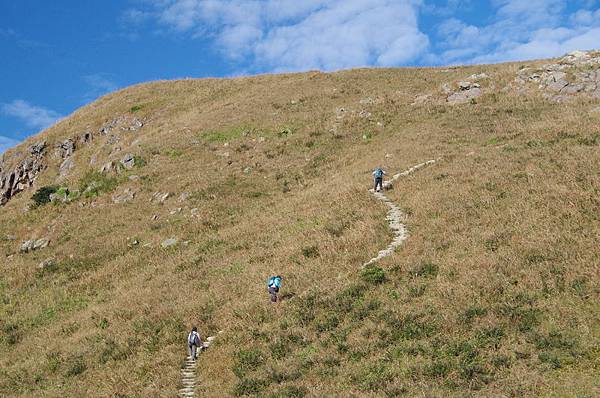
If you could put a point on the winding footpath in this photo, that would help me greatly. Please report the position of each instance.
(394, 215)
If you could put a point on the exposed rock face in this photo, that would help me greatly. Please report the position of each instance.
(65, 167)
(34, 244)
(23, 175)
(124, 123)
(65, 149)
(577, 73)
(467, 92)
(16, 178)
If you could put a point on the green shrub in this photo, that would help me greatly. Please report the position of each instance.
(94, 183)
(373, 274)
(136, 108)
(42, 195)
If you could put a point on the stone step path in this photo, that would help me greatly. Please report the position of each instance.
(188, 373)
(394, 215)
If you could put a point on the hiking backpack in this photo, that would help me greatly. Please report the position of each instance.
(274, 281)
(194, 339)
(378, 173)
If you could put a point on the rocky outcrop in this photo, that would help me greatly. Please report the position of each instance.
(467, 91)
(34, 244)
(24, 174)
(65, 149)
(124, 123)
(21, 176)
(577, 73)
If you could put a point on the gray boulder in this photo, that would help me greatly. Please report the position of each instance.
(107, 167)
(128, 161)
(160, 197)
(62, 196)
(126, 196)
(33, 244)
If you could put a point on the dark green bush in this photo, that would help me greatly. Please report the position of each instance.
(42, 195)
(310, 251)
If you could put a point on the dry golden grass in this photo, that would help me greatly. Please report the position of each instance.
(494, 294)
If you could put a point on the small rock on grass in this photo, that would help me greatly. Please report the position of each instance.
(168, 243)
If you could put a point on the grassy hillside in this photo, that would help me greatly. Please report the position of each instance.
(495, 293)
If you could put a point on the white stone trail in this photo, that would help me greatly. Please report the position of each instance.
(394, 215)
(188, 373)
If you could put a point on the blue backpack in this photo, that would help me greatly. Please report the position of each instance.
(378, 173)
(274, 281)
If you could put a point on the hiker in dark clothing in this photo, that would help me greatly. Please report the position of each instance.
(273, 286)
(194, 342)
(378, 174)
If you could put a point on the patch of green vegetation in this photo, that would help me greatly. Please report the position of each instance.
(220, 136)
(94, 183)
(42, 195)
(472, 313)
(174, 153)
(373, 275)
(136, 108)
(139, 161)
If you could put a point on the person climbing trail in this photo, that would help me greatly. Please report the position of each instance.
(378, 173)
(273, 287)
(194, 342)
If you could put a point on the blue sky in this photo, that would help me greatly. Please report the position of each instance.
(59, 55)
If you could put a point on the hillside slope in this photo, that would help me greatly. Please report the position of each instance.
(174, 201)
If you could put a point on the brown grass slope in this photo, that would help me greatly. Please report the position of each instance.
(495, 293)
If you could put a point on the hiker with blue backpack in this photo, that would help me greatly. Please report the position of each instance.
(194, 342)
(273, 286)
(378, 173)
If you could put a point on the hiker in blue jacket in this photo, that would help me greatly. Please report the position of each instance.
(378, 173)
(194, 342)
(273, 286)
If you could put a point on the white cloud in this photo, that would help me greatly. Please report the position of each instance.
(519, 30)
(6, 143)
(33, 116)
(283, 35)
